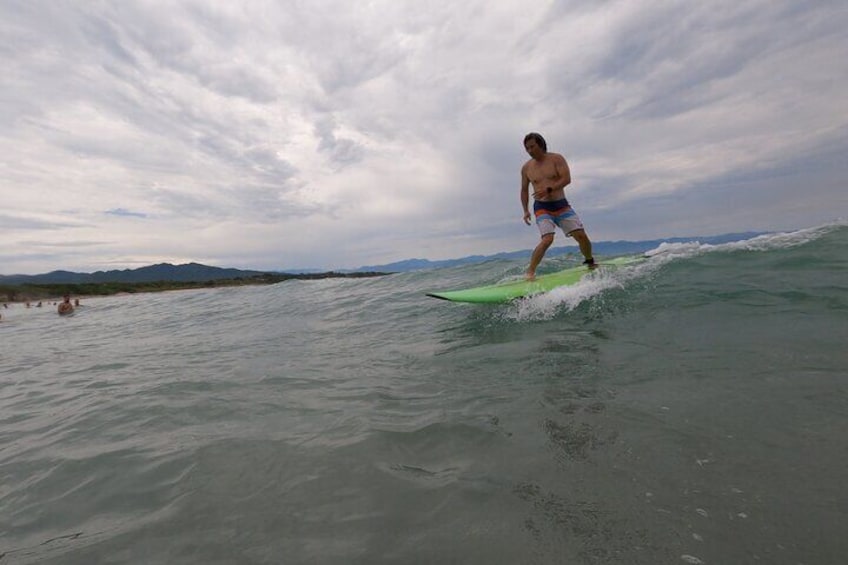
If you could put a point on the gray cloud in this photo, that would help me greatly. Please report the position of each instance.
(22, 222)
(125, 213)
(340, 151)
(347, 133)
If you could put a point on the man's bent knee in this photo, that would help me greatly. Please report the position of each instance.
(578, 234)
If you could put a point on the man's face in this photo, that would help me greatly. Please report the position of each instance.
(533, 149)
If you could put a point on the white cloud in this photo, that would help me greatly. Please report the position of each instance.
(336, 134)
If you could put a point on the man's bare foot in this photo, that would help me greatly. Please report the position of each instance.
(530, 277)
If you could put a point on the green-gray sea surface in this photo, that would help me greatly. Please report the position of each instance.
(690, 409)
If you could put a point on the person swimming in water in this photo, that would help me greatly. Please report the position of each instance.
(65, 307)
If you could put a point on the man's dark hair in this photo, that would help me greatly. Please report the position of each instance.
(537, 137)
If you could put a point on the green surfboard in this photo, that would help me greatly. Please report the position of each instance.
(505, 292)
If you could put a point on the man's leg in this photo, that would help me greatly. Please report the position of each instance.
(538, 253)
(585, 245)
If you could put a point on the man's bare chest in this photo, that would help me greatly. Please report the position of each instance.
(541, 171)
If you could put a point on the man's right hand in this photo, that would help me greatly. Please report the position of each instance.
(527, 218)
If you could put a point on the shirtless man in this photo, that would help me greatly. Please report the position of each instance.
(549, 174)
(65, 307)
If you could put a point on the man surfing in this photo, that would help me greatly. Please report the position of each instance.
(549, 174)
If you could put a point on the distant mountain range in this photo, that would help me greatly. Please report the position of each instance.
(608, 248)
(195, 272)
(190, 272)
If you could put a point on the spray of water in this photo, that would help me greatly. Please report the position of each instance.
(546, 306)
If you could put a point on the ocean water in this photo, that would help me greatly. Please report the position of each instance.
(689, 409)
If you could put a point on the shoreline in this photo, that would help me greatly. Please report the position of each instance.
(47, 292)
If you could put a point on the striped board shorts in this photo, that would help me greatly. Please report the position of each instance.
(549, 215)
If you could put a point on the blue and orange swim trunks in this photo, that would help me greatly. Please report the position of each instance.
(550, 214)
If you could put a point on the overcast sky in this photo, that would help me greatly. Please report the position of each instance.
(340, 133)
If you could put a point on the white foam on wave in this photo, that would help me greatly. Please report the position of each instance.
(546, 306)
(765, 242)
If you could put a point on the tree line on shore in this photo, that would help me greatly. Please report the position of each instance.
(39, 291)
